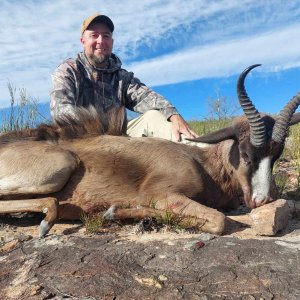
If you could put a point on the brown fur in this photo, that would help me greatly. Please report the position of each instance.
(89, 124)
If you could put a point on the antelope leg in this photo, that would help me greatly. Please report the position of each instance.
(48, 206)
(115, 212)
(205, 218)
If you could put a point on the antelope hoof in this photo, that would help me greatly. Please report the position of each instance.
(44, 228)
(110, 213)
(216, 225)
(51, 211)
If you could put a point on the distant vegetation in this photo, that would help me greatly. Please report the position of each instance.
(24, 111)
(220, 115)
(287, 169)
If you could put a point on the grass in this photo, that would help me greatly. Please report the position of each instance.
(176, 222)
(291, 154)
(210, 125)
(171, 220)
(92, 223)
(22, 113)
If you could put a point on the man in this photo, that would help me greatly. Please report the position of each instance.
(96, 78)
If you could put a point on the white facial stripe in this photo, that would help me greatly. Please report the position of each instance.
(261, 180)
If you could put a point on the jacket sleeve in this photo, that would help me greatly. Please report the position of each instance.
(141, 98)
(64, 94)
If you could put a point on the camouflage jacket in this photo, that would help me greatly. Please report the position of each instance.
(77, 83)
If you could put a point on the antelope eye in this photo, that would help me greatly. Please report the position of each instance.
(246, 158)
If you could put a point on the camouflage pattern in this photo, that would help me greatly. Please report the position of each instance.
(77, 83)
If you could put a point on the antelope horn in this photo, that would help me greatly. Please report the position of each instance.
(216, 137)
(295, 119)
(284, 119)
(257, 126)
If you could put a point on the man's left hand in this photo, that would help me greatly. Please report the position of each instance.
(180, 126)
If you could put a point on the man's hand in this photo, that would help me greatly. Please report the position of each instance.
(180, 126)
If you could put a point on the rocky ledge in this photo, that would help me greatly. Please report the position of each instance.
(69, 264)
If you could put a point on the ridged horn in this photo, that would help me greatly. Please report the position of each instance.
(283, 121)
(257, 126)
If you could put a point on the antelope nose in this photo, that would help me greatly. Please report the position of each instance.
(260, 201)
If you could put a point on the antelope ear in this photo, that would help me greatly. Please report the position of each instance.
(295, 119)
(217, 136)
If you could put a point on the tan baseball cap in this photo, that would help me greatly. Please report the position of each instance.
(98, 18)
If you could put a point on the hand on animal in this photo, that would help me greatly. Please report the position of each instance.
(180, 126)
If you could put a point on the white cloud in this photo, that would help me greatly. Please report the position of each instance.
(275, 50)
(206, 38)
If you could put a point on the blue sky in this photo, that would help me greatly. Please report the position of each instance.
(190, 51)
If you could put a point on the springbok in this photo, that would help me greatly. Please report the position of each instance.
(64, 171)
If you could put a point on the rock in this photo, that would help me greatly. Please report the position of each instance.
(35, 290)
(81, 267)
(162, 278)
(24, 237)
(9, 246)
(294, 207)
(148, 282)
(270, 218)
(205, 237)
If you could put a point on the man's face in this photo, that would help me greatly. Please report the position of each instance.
(97, 43)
